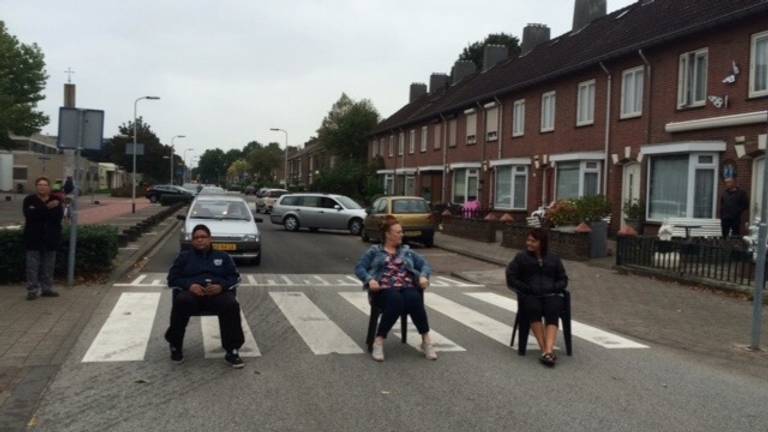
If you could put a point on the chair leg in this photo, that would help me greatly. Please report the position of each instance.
(566, 320)
(525, 329)
(514, 330)
(404, 328)
(372, 325)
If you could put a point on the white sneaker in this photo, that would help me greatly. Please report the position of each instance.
(378, 352)
(429, 351)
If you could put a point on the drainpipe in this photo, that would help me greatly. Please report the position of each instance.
(444, 144)
(499, 135)
(647, 94)
(607, 128)
(483, 151)
(402, 158)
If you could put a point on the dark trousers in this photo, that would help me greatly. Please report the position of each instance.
(225, 305)
(40, 265)
(729, 225)
(394, 302)
(548, 307)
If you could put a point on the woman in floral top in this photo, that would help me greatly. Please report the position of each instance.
(396, 277)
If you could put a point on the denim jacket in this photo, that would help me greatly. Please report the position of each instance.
(373, 264)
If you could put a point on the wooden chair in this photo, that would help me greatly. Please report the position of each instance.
(524, 323)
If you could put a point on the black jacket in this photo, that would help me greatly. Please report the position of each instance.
(42, 227)
(194, 266)
(525, 274)
(732, 203)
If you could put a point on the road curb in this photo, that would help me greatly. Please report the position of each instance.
(466, 253)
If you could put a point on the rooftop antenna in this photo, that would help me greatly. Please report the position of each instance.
(69, 73)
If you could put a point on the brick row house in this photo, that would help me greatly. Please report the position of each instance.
(657, 101)
(304, 165)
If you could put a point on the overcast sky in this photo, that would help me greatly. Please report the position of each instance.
(228, 70)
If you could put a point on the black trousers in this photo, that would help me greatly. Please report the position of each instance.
(225, 305)
(729, 225)
(394, 302)
(548, 307)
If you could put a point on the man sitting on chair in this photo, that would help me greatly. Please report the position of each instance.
(205, 279)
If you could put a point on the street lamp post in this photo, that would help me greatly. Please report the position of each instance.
(189, 165)
(176, 136)
(285, 169)
(133, 188)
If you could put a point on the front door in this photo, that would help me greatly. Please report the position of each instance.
(758, 172)
(630, 190)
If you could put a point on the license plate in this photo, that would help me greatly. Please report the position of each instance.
(413, 233)
(224, 246)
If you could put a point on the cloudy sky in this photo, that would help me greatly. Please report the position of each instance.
(228, 70)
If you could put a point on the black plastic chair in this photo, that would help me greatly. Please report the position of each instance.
(524, 323)
(203, 311)
(373, 324)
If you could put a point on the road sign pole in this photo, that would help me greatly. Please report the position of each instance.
(757, 298)
(73, 207)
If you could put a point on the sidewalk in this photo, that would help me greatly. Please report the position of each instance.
(649, 310)
(36, 336)
(90, 212)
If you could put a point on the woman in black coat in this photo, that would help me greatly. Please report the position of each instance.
(539, 279)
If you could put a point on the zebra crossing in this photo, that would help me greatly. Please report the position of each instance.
(127, 331)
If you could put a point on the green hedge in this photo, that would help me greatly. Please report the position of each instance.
(169, 200)
(96, 248)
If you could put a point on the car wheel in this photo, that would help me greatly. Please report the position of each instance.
(153, 198)
(355, 226)
(428, 241)
(256, 261)
(291, 223)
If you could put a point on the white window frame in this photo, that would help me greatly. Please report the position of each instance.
(693, 165)
(470, 172)
(389, 179)
(517, 171)
(401, 143)
(391, 145)
(409, 178)
(492, 124)
(471, 127)
(424, 136)
(638, 93)
(688, 81)
(548, 103)
(412, 141)
(753, 92)
(452, 133)
(438, 136)
(583, 170)
(518, 118)
(585, 109)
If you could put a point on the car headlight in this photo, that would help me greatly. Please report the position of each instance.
(251, 237)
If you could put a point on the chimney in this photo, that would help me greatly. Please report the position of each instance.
(462, 69)
(417, 90)
(438, 81)
(586, 11)
(533, 34)
(493, 55)
(69, 95)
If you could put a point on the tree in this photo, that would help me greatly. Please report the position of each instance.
(264, 160)
(237, 170)
(345, 130)
(212, 166)
(151, 164)
(22, 81)
(474, 51)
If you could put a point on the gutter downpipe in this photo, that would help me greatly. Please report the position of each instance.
(483, 160)
(647, 91)
(402, 159)
(444, 143)
(500, 123)
(607, 127)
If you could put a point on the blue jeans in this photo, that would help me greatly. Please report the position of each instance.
(393, 303)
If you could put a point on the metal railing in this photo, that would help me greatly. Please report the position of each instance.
(718, 260)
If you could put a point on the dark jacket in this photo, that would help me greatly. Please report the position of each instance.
(733, 203)
(42, 227)
(525, 274)
(194, 266)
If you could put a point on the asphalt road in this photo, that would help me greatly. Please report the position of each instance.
(480, 384)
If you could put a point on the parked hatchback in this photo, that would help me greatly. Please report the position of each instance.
(154, 193)
(318, 211)
(266, 199)
(232, 226)
(412, 212)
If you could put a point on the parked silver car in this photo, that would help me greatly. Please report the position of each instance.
(318, 211)
(231, 222)
(266, 198)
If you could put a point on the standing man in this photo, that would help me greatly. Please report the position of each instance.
(733, 202)
(42, 237)
(205, 279)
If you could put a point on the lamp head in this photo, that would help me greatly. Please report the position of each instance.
(152, 97)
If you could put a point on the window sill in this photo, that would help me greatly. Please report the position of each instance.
(543, 131)
(581, 125)
(691, 107)
(757, 96)
(509, 209)
(630, 116)
(518, 135)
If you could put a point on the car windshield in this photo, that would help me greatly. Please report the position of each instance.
(220, 210)
(402, 206)
(348, 203)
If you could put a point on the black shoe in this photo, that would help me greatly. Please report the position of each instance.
(31, 295)
(177, 356)
(548, 359)
(234, 360)
(49, 294)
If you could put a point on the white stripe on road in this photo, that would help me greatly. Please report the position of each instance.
(440, 342)
(321, 334)
(582, 331)
(488, 326)
(209, 325)
(125, 334)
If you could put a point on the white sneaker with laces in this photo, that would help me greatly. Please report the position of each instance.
(429, 351)
(378, 352)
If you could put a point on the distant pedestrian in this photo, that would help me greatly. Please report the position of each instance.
(69, 185)
(733, 202)
(539, 280)
(205, 279)
(42, 237)
(396, 277)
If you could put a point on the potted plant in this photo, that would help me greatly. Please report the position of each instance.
(564, 215)
(634, 213)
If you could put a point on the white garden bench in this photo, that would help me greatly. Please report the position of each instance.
(707, 228)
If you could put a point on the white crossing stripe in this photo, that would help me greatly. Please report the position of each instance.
(486, 325)
(209, 325)
(125, 334)
(440, 342)
(321, 334)
(583, 331)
